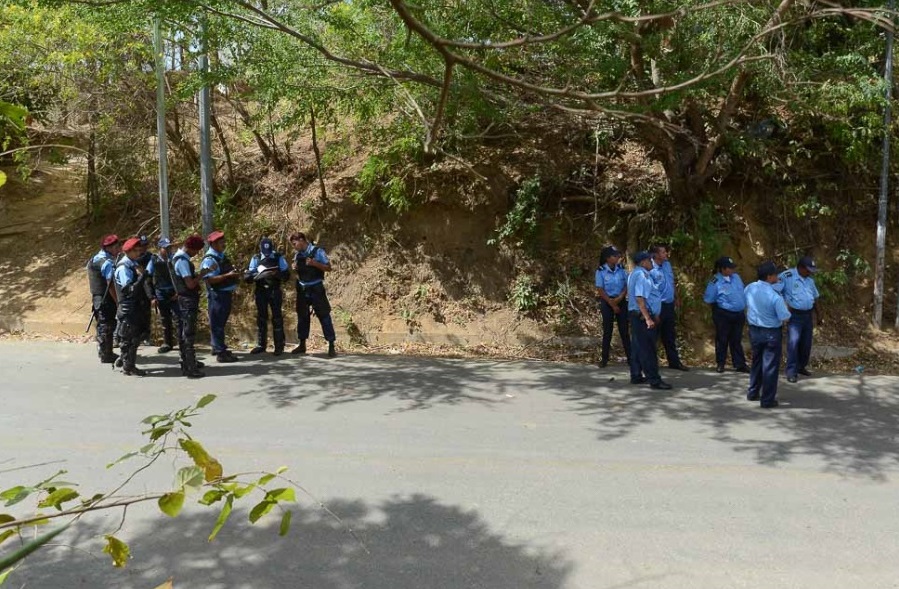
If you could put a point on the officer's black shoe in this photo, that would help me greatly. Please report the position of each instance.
(278, 352)
(804, 372)
(118, 362)
(200, 364)
(300, 349)
(771, 405)
(661, 385)
(720, 368)
(639, 380)
(195, 373)
(225, 358)
(744, 369)
(754, 397)
(791, 379)
(164, 349)
(257, 350)
(680, 367)
(134, 371)
(109, 359)
(332, 353)
(603, 363)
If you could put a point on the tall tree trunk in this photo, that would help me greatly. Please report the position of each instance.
(318, 156)
(241, 110)
(229, 165)
(93, 188)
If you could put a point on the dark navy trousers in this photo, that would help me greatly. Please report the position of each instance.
(609, 319)
(729, 335)
(799, 341)
(668, 334)
(644, 358)
(767, 346)
(219, 311)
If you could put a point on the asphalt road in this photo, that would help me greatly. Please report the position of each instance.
(472, 474)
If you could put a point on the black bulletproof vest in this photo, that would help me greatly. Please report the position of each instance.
(98, 284)
(307, 273)
(162, 275)
(273, 278)
(225, 266)
(178, 282)
(129, 298)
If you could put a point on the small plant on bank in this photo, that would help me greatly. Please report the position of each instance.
(524, 295)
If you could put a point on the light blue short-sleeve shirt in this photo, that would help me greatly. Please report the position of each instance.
(764, 306)
(726, 292)
(800, 293)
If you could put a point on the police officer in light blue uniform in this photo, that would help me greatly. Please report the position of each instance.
(668, 316)
(164, 292)
(130, 278)
(221, 282)
(725, 294)
(611, 290)
(801, 295)
(644, 303)
(311, 262)
(267, 270)
(100, 271)
(766, 313)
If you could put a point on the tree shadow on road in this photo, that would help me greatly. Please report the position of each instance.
(403, 543)
(417, 383)
(848, 423)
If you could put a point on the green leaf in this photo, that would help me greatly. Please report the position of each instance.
(281, 495)
(118, 550)
(154, 419)
(205, 400)
(121, 459)
(263, 480)
(261, 509)
(212, 469)
(58, 497)
(241, 491)
(24, 551)
(2, 182)
(158, 432)
(224, 514)
(5, 518)
(285, 523)
(146, 448)
(16, 494)
(171, 503)
(5, 574)
(189, 477)
(281, 470)
(211, 497)
(7, 534)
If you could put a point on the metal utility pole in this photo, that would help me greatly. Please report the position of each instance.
(160, 131)
(207, 202)
(883, 201)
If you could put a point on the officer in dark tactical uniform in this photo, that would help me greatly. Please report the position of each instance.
(130, 278)
(148, 299)
(311, 262)
(164, 291)
(100, 271)
(221, 282)
(267, 270)
(187, 284)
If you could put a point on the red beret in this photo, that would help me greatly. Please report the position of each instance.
(131, 244)
(194, 242)
(214, 236)
(110, 240)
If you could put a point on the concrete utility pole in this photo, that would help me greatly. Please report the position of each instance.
(164, 228)
(207, 202)
(883, 201)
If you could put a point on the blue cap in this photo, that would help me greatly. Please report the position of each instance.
(164, 242)
(265, 246)
(640, 256)
(808, 263)
(143, 240)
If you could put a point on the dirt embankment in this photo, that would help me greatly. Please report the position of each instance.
(425, 279)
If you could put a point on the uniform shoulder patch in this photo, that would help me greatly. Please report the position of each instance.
(787, 274)
(714, 280)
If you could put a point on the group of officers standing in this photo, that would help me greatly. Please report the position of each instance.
(643, 303)
(127, 282)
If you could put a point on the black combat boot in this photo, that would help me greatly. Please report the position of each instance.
(300, 349)
(258, 349)
(332, 353)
